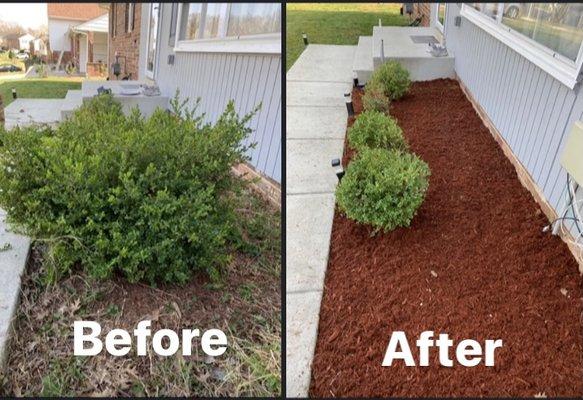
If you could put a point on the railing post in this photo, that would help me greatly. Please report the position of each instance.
(382, 51)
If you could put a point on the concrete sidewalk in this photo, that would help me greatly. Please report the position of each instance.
(315, 129)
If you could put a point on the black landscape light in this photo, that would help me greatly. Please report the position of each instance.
(305, 37)
(14, 95)
(339, 171)
(349, 106)
(355, 79)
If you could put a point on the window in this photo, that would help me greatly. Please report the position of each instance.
(548, 34)
(558, 26)
(253, 18)
(230, 27)
(173, 18)
(130, 15)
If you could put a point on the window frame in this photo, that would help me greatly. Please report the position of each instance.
(130, 16)
(435, 13)
(152, 74)
(173, 24)
(266, 43)
(558, 66)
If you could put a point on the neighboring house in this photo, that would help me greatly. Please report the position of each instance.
(10, 41)
(78, 32)
(215, 51)
(24, 41)
(39, 47)
(521, 63)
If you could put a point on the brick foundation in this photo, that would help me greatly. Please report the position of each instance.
(266, 187)
(97, 70)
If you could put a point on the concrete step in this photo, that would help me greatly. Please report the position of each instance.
(71, 102)
(74, 94)
(398, 45)
(362, 63)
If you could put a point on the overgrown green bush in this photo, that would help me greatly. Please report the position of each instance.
(374, 98)
(393, 78)
(376, 129)
(148, 198)
(383, 188)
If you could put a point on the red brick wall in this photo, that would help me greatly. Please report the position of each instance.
(125, 44)
(422, 10)
(96, 69)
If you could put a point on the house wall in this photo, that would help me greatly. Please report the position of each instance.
(248, 79)
(59, 34)
(533, 111)
(125, 44)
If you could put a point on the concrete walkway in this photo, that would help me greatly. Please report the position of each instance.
(315, 129)
(13, 257)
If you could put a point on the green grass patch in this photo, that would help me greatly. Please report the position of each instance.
(335, 23)
(42, 88)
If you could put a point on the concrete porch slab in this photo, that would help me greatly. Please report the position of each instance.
(309, 252)
(415, 57)
(310, 171)
(315, 122)
(318, 94)
(302, 317)
(146, 104)
(323, 63)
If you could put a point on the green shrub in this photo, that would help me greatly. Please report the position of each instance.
(148, 198)
(393, 78)
(376, 129)
(374, 98)
(383, 188)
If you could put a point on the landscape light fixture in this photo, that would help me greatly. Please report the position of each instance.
(349, 107)
(339, 170)
(14, 96)
(305, 37)
(355, 79)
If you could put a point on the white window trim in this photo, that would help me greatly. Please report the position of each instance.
(435, 16)
(561, 68)
(152, 74)
(258, 44)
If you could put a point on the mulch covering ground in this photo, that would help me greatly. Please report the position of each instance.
(473, 264)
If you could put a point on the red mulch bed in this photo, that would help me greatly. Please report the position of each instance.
(498, 275)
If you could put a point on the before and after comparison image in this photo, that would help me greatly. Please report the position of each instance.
(291, 200)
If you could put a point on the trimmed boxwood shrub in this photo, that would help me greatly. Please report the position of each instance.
(147, 198)
(383, 188)
(393, 78)
(376, 129)
(374, 98)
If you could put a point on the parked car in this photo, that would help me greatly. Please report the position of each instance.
(22, 56)
(9, 68)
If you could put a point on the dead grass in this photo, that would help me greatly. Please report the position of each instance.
(246, 306)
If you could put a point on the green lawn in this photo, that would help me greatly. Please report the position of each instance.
(335, 23)
(42, 88)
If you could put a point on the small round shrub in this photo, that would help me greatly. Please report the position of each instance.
(150, 199)
(383, 188)
(393, 78)
(374, 98)
(376, 129)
